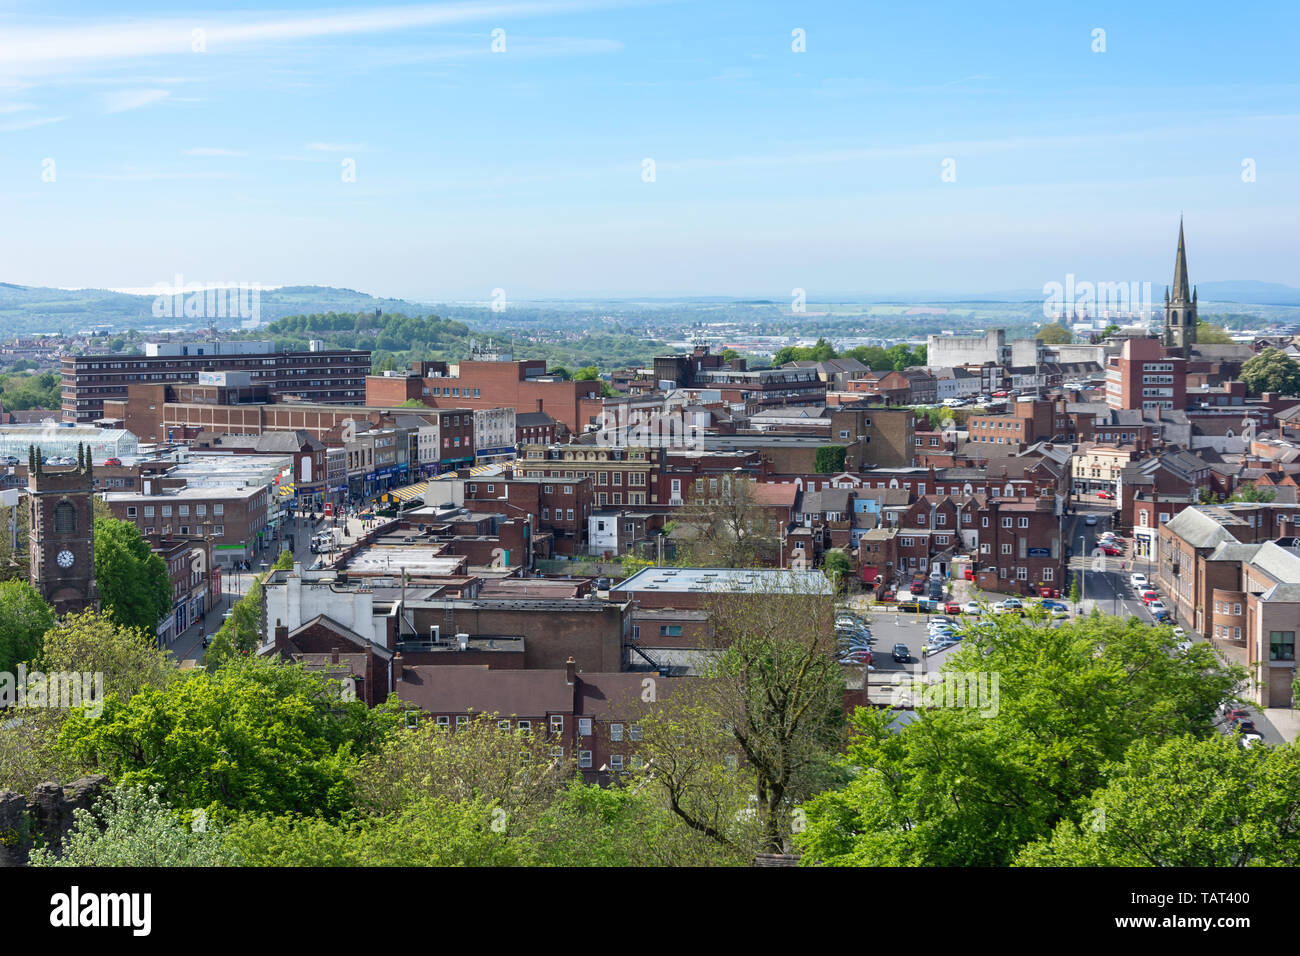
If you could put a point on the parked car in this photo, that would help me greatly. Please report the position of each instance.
(1110, 551)
(601, 584)
(1163, 616)
(1090, 520)
(1148, 595)
(1106, 495)
(1184, 646)
(1137, 581)
(1251, 740)
(1009, 606)
(112, 461)
(1053, 605)
(901, 654)
(910, 607)
(952, 607)
(971, 607)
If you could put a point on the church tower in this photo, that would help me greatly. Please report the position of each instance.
(61, 542)
(1180, 310)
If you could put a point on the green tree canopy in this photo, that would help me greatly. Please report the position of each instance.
(1272, 370)
(1186, 802)
(830, 459)
(973, 782)
(1054, 333)
(133, 581)
(24, 619)
(1207, 334)
(255, 735)
(132, 826)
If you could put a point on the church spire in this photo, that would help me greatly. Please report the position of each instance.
(1182, 291)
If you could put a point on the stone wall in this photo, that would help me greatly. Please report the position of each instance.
(45, 819)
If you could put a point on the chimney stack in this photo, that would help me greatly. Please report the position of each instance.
(397, 668)
(281, 636)
(570, 671)
(334, 655)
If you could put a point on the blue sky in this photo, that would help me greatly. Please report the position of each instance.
(523, 169)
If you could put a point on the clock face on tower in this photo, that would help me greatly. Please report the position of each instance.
(65, 558)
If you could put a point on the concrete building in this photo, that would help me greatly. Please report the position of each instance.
(328, 376)
(951, 350)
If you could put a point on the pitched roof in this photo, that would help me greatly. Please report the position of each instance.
(1199, 529)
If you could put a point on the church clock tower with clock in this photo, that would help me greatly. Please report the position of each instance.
(61, 544)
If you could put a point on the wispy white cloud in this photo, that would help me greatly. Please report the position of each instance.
(214, 151)
(335, 147)
(31, 124)
(6, 108)
(124, 100)
(41, 47)
(149, 176)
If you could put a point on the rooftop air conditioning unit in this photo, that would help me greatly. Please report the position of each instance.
(433, 634)
(462, 640)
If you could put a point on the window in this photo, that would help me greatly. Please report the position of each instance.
(1024, 522)
(148, 511)
(462, 720)
(65, 517)
(1006, 549)
(58, 515)
(557, 723)
(616, 732)
(411, 719)
(503, 725)
(1047, 574)
(635, 762)
(1281, 645)
(670, 630)
(525, 728)
(444, 720)
(1006, 522)
(584, 726)
(584, 759)
(1236, 610)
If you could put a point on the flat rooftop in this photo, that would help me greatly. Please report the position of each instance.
(726, 580)
(413, 559)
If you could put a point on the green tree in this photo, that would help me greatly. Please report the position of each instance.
(774, 700)
(1186, 802)
(588, 373)
(830, 459)
(972, 782)
(133, 581)
(1207, 334)
(1272, 370)
(24, 619)
(131, 826)
(513, 771)
(412, 403)
(1254, 493)
(87, 642)
(429, 832)
(836, 565)
(1110, 330)
(253, 736)
(1075, 596)
(1054, 333)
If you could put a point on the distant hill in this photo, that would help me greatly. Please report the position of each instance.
(1249, 292)
(26, 309)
